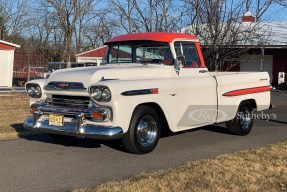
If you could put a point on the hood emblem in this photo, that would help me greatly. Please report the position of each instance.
(74, 86)
(63, 85)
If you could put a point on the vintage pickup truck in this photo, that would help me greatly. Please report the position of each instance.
(148, 83)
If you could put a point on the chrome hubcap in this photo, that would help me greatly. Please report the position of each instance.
(146, 130)
(245, 119)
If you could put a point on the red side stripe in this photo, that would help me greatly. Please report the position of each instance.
(154, 91)
(247, 91)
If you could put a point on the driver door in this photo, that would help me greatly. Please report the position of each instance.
(197, 90)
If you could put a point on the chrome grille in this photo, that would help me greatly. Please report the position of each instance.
(69, 101)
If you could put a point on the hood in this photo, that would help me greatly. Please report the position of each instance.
(90, 75)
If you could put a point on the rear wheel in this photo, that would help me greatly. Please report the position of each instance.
(283, 86)
(243, 121)
(144, 131)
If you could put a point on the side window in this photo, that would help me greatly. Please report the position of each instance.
(156, 54)
(121, 54)
(188, 50)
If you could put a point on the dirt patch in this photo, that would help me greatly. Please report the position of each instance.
(14, 110)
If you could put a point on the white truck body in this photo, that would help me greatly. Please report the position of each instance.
(187, 97)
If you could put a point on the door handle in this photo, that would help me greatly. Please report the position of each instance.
(203, 71)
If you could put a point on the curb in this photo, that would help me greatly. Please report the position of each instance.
(278, 91)
(5, 92)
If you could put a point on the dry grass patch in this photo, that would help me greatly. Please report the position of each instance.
(261, 169)
(13, 111)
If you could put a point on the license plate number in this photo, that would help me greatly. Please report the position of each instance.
(56, 120)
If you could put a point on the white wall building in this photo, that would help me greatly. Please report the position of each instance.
(6, 63)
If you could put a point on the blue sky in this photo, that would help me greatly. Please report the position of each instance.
(276, 13)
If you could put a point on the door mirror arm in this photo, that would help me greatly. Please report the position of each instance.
(176, 66)
(179, 62)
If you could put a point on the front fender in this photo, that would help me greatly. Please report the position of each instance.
(123, 105)
(41, 83)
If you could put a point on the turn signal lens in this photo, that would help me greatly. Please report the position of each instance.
(97, 115)
(34, 108)
(101, 114)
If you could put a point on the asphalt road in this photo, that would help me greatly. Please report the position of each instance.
(38, 164)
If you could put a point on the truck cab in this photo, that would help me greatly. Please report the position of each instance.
(147, 83)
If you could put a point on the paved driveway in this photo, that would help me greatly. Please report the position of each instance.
(38, 164)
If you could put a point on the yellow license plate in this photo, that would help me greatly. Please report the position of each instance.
(56, 120)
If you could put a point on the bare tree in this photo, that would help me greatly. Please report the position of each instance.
(282, 2)
(85, 15)
(149, 15)
(124, 11)
(157, 15)
(217, 23)
(65, 13)
(13, 15)
(261, 7)
(102, 28)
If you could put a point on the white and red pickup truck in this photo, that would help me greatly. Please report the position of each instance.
(148, 83)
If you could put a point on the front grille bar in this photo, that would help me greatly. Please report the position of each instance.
(68, 101)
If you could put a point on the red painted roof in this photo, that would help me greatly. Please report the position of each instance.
(99, 52)
(152, 36)
(4, 45)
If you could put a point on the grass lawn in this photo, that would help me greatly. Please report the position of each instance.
(13, 111)
(261, 169)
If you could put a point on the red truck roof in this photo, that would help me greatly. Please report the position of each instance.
(152, 36)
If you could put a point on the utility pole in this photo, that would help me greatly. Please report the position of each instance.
(262, 60)
(29, 68)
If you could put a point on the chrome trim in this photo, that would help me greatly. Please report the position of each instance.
(105, 111)
(80, 124)
(45, 108)
(78, 129)
(101, 87)
(48, 109)
(70, 86)
(103, 79)
(68, 101)
(80, 118)
(146, 132)
(33, 85)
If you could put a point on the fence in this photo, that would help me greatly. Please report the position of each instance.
(28, 66)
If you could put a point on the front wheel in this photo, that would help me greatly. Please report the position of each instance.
(243, 121)
(144, 131)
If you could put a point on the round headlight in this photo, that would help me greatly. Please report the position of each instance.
(106, 95)
(38, 92)
(34, 90)
(100, 93)
(31, 91)
(97, 94)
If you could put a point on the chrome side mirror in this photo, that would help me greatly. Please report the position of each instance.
(179, 62)
(176, 66)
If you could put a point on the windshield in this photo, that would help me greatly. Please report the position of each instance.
(139, 52)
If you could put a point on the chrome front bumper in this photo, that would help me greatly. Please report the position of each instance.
(77, 128)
